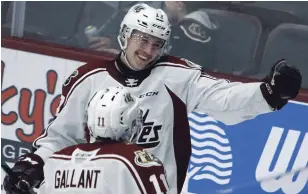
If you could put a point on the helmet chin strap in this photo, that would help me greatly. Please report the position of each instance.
(126, 61)
(123, 53)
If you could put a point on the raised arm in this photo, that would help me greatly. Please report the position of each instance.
(234, 102)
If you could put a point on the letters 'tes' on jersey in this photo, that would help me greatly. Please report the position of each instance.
(111, 167)
(167, 92)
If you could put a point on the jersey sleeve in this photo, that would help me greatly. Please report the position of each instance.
(228, 102)
(68, 128)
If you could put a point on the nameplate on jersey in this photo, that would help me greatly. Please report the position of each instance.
(79, 178)
(86, 155)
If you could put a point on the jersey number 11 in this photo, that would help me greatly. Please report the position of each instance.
(153, 179)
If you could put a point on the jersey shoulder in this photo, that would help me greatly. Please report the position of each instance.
(176, 62)
(68, 151)
(134, 154)
(130, 153)
(167, 62)
(142, 165)
(85, 71)
(86, 147)
(79, 76)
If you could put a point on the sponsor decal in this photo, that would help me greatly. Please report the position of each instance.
(275, 162)
(211, 151)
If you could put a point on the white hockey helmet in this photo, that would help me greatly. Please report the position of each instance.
(147, 19)
(114, 113)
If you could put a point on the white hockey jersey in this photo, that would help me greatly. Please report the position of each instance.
(168, 91)
(103, 168)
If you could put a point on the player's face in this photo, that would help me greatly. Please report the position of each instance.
(142, 49)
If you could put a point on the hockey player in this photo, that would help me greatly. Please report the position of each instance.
(111, 163)
(168, 89)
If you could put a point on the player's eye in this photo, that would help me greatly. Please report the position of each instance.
(157, 46)
(144, 40)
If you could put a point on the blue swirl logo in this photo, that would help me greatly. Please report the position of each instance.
(211, 152)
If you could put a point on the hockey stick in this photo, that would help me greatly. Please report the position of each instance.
(9, 172)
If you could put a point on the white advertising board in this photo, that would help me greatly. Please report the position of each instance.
(31, 87)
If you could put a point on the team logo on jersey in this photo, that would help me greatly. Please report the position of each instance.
(149, 136)
(211, 158)
(145, 159)
(68, 80)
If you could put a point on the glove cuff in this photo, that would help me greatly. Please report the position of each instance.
(34, 159)
(271, 97)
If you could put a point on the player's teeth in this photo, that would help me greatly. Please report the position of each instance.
(143, 57)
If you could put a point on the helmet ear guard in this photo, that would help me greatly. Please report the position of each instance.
(125, 33)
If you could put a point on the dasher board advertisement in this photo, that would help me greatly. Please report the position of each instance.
(31, 88)
(268, 154)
